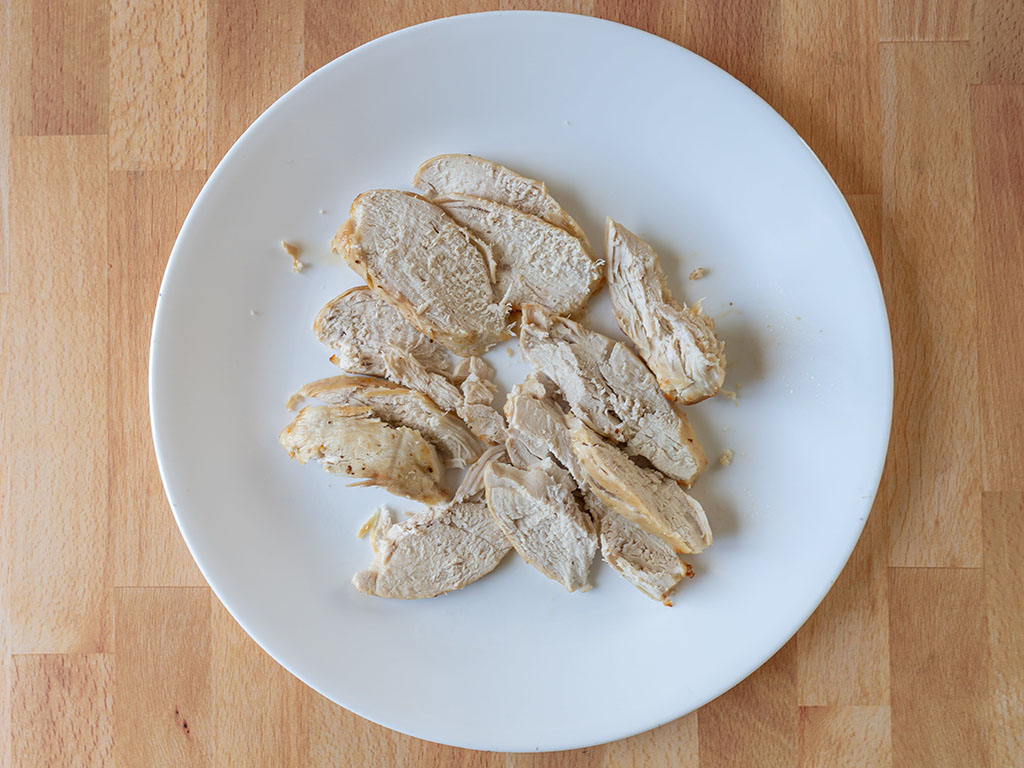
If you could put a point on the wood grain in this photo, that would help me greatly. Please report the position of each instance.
(938, 668)
(158, 85)
(145, 212)
(62, 709)
(259, 708)
(928, 215)
(844, 737)
(830, 55)
(111, 646)
(927, 20)
(754, 724)
(162, 678)
(997, 127)
(6, 132)
(1004, 609)
(242, 85)
(59, 56)
(997, 40)
(54, 457)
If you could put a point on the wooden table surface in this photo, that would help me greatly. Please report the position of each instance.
(112, 649)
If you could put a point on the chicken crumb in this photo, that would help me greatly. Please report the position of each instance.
(366, 527)
(294, 251)
(728, 393)
(689, 570)
(725, 459)
(698, 273)
(509, 351)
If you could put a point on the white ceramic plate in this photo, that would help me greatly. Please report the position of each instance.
(619, 123)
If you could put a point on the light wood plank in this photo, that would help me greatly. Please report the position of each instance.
(591, 757)
(744, 37)
(997, 37)
(259, 708)
(754, 724)
(1004, 609)
(845, 737)
(162, 693)
(242, 85)
(928, 20)
(998, 131)
(158, 85)
(336, 735)
(929, 273)
(843, 649)
(62, 711)
(938, 645)
(59, 54)
(674, 744)
(6, 130)
(146, 210)
(53, 459)
(332, 28)
(830, 87)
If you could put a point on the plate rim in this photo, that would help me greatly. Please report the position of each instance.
(159, 321)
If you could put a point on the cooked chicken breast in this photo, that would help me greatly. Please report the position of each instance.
(536, 262)
(468, 175)
(347, 440)
(610, 388)
(408, 371)
(438, 550)
(644, 560)
(654, 502)
(476, 379)
(425, 265)
(473, 481)
(358, 324)
(401, 407)
(677, 342)
(537, 511)
(537, 429)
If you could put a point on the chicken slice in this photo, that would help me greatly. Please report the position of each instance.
(536, 262)
(610, 388)
(476, 379)
(678, 342)
(425, 265)
(408, 371)
(473, 481)
(468, 175)
(536, 510)
(358, 324)
(402, 407)
(654, 502)
(347, 440)
(437, 550)
(644, 560)
(537, 429)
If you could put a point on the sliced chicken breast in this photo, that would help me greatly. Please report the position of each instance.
(677, 342)
(402, 407)
(537, 512)
(536, 262)
(347, 440)
(468, 175)
(358, 324)
(645, 496)
(425, 265)
(613, 392)
(438, 550)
